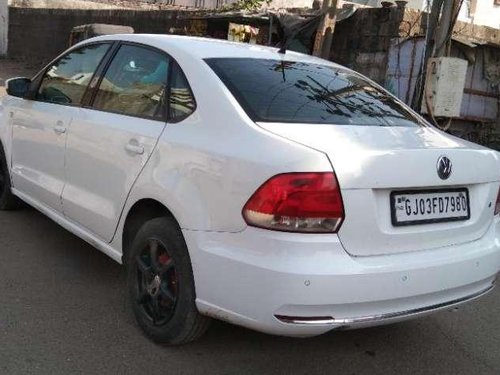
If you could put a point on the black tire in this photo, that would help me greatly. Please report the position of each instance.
(161, 284)
(7, 200)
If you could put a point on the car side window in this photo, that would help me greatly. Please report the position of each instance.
(181, 102)
(65, 81)
(135, 83)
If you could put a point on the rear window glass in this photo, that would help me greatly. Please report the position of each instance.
(298, 92)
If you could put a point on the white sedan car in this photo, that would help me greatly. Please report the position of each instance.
(279, 192)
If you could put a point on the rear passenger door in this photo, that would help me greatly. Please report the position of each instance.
(111, 141)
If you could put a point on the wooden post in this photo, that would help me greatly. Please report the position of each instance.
(446, 24)
(433, 22)
(441, 23)
(4, 26)
(324, 35)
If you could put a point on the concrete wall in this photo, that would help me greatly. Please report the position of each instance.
(486, 13)
(73, 4)
(4, 27)
(41, 34)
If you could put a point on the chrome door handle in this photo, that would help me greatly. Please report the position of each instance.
(60, 129)
(134, 148)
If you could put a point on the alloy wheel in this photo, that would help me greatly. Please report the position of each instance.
(157, 283)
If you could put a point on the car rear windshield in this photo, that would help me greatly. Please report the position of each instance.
(299, 92)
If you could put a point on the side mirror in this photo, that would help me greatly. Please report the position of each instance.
(18, 87)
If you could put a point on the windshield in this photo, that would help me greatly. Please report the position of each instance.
(298, 92)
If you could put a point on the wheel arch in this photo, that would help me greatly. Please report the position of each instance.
(140, 212)
(4, 158)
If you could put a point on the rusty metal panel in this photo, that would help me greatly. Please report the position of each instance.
(403, 67)
(480, 98)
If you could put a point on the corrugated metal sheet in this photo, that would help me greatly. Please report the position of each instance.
(480, 102)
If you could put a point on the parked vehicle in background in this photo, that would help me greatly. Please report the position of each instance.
(277, 191)
(83, 32)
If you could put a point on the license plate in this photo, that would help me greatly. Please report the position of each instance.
(429, 206)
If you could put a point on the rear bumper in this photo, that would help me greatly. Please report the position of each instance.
(357, 322)
(305, 285)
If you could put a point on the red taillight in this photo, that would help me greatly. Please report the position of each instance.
(297, 202)
(497, 204)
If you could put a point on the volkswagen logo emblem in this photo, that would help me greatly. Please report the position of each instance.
(444, 167)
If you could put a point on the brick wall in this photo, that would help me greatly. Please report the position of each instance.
(362, 41)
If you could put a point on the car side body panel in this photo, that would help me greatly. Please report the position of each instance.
(205, 182)
(5, 127)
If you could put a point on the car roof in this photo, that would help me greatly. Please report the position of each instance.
(204, 48)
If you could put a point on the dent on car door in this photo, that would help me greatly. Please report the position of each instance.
(111, 142)
(40, 126)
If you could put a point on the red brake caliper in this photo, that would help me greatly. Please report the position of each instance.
(164, 259)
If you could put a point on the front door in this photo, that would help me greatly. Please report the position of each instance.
(40, 126)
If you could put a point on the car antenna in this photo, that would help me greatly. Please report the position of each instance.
(286, 37)
(283, 47)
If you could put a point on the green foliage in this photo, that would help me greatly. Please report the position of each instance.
(250, 4)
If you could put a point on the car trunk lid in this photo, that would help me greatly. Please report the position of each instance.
(373, 162)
